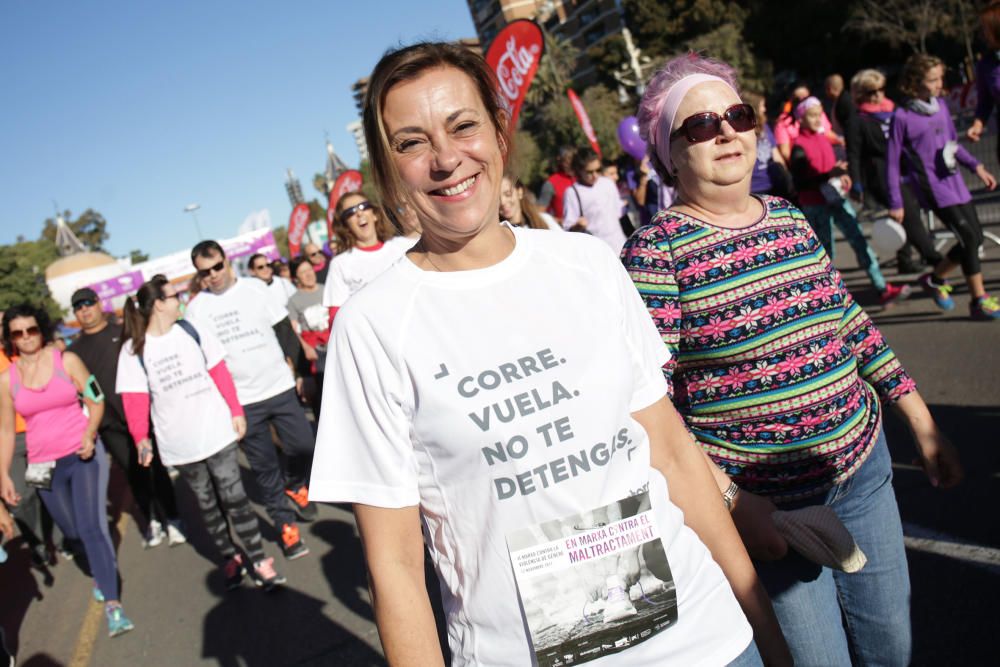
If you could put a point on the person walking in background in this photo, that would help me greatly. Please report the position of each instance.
(777, 371)
(924, 153)
(260, 344)
(987, 72)
(822, 184)
(591, 204)
(369, 246)
(770, 172)
(517, 206)
(311, 321)
(98, 346)
(551, 197)
(787, 126)
(318, 259)
(281, 288)
(67, 463)
(867, 148)
(179, 373)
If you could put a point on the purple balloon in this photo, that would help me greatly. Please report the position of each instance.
(630, 139)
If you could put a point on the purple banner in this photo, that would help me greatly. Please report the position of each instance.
(126, 283)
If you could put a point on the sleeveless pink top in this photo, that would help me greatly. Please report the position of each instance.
(55, 421)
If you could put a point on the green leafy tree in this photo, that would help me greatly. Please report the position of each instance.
(22, 274)
(138, 256)
(90, 228)
(281, 240)
(555, 71)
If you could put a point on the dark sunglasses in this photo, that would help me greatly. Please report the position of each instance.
(84, 303)
(357, 208)
(260, 267)
(316, 253)
(18, 334)
(204, 273)
(168, 297)
(707, 125)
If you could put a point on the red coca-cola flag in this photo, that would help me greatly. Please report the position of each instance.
(514, 56)
(297, 224)
(584, 119)
(348, 181)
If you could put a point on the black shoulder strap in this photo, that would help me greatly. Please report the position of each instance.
(191, 331)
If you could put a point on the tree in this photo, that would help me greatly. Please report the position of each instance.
(281, 240)
(90, 228)
(555, 71)
(137, 256)
(899, 22)
(22, 274)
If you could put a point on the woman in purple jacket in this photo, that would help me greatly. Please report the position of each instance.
(987, 72)
(924, 152)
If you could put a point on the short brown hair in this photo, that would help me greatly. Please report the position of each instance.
(345, 237)
(911, 79)
(407, 64)
(989, 20)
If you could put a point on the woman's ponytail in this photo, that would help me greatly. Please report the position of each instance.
(134, 326)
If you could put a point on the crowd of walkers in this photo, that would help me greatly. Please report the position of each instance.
(692, 309)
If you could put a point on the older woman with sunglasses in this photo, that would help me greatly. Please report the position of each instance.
(368, 246)
(461, 394)
(67, 463)
(778, 373)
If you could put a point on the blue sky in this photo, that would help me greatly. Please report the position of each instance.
(137, 109)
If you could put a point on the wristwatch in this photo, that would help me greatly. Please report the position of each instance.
(729, 495)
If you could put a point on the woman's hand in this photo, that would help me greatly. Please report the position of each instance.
(975, 131)
(86, 446)
(8, 492)
(939, 459)
(986, 177)
(896, 214)
(240, 426)
(145, 449)
(309, 351)
(581, 224)
(752, 516)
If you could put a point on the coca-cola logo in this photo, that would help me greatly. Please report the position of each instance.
(514, 55)
(297, 227)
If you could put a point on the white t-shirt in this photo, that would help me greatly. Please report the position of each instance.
(602, 208)
(190, 418)
(242, 318)
(352, 270)
(544, 356)
(550, 221)
(282, 289)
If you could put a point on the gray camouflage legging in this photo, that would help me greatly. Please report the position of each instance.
(220, 473)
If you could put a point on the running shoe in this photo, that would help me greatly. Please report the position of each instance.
(234, 571)
(291, 543)
(299, 500)
(154, 535)
(175, 535)
(619, 605)
(985, 308)
(939, 291)
(893, 293)
(265, 576)
(118, 623)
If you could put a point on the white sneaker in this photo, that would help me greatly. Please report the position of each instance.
(174, 534)
(619, 605)
(154, 535)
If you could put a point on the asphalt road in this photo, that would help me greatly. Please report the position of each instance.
(323, 616)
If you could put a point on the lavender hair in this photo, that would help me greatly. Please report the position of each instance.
(652, 100)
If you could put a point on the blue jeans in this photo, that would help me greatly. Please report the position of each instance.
(749, 658)
(822, 217)
(834, 618)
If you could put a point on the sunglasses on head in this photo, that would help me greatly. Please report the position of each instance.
(84, 303)
(204, 273)
(18, 334)
(707, 125)
(357, 208)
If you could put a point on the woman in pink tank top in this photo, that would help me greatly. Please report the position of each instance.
(66, 462)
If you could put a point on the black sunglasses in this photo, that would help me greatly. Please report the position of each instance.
(357, 208)
(260, 267)
(204, 273)
(316, 253)
(707, 125)
(18, 334)
(84, 303)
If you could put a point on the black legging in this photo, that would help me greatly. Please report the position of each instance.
(151, 487)
(917, 235)
(963, 221)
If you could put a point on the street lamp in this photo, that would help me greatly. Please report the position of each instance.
(192, 209)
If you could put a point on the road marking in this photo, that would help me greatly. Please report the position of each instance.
(91, 625)
(928, 541)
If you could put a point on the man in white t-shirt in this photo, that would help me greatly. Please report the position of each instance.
(592, 203)
(281, 288)
(259, 341)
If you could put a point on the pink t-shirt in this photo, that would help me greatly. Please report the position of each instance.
(786, 128)
(55, 420)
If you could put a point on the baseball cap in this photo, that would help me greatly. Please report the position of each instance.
(83, 294)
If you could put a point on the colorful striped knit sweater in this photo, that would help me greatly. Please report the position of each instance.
(775, 368)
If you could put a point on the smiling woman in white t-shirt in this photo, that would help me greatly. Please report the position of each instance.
(528, 429)
(170, 369)
(369, 246)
